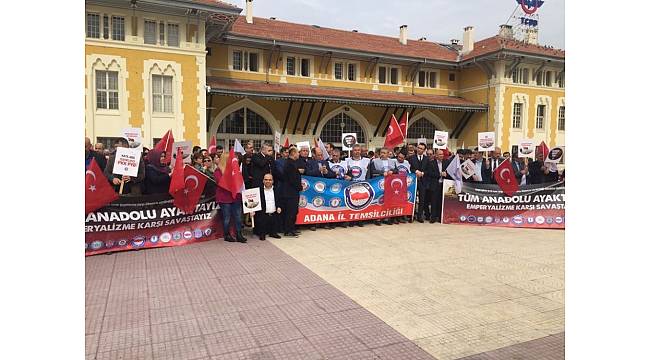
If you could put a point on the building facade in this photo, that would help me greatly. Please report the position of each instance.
(246, 77)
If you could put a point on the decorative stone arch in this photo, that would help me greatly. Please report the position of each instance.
(215, 122)
(432, 117)
(351, 112)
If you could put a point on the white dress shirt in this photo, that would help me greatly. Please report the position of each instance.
(269, 198)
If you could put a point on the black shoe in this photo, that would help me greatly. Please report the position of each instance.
(241, 238)
(360, 224)
(312, 228)
(262, 237)
(344, 225)
(432, 220)
(275, 236)
(410, 221)
(420, 220)
(229, 238)
(291, 234)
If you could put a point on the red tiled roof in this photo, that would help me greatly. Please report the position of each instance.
(343, 95)
(496, 43)
(342, 39)
(216, 3)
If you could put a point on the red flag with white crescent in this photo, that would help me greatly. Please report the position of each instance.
(403, 124)
(99, 191)
(212, 148)
(506, 179)
(186, 185)
(394, 135)
(165, 144)
(232, 179)
(286, 142)
(395, 190)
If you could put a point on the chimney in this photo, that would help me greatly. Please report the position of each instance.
(530, 36)
(249, 11)
(403, 30)
(505, 31)
(468, 39)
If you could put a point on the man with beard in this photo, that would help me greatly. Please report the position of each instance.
(357, 169)
(420, 166)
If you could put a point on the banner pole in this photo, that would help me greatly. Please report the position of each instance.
(121, 186)
(253, 220)
(416, 192)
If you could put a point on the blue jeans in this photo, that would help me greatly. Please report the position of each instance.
(231, 212)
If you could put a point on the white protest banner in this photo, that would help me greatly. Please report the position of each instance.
(555, 155)
(134, 137)
(276, 142)
(468, 168)
(251, 200)
(486, 141)
(186, 148)
(440, 139)
(304, 144)
(127, 161)
(422, 141)
(348, 140)
(526, 148)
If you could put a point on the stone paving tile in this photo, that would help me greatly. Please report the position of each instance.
(134, 353)
(211, 307)
(262, 316)
(91, 343)
(377, 335)
(402, 351)
(254, 354)
(174, 330)
(299, 349)
(220, 322)
(181, 349)
(355, 318)
(170, 314)
(546, 348)
(336, 303)
(319, 324)
(275, 333)
(229, 341)
(125, 321)
(301, 309)
(363, 355)
(337, 343)
(123, 339)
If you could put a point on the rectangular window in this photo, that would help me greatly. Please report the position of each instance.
(422, 79)
(516, 115)
(92, 26)
(150, 32)
(252, 61)
(352, 73)
(382, 75)
(433, 80)
(515, 76)
(162, 94)
(548, 78)
(452, 77)
(236, 60)
(304, 67)
(394, 78)
(338, 71)
(524, 76)
(117, 33)
(291, 65)
(539, 78)
(161, 32)
(172, 35)
(105, 30)
(560, 81)
(560, 118)
(539, 121)
(107, 90)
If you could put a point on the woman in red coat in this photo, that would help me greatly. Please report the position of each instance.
(231, 207)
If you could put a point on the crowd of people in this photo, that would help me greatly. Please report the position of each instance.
(279, 178)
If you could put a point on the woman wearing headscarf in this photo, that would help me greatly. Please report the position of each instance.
(156, 179)
(231, 207)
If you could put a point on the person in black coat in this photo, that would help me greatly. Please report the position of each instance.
(92, 154)
(262, 163)
(539, 172)
(267, 221)
(156, 175)
(318, 167)
(437, 173)
(420, 166)
(291, 192)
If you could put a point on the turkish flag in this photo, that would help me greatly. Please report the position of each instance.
(286, 142)
(403, 123)
(506, 179)
(394, 135)
(543, 149)
(212, 148)
(165, 144)
(232, 179)
(186, 186)
(99, 191)
(395, 190)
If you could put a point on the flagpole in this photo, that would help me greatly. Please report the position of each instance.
(121, 186)
(416, 191)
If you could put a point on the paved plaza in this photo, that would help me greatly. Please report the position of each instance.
(416, 291)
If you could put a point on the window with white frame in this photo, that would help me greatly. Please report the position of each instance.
(105, 27)
(548, 78)
(304, 67)
(106, 90)
(394, 76)
(422, 128)
(161, 33)
(382, 75)
(428, 79)
(245, 60)
(92, 26)
(163, 100)
(560, 118)
(253, 63)
(291, 65)
(117, 25)
(560, 80)
(539, 119)
(150, 30)
(388, 75)
(338, 71)
(520, 76)
(339, 124)
(352, 72)
(516, 115)
(237, 60)
(172, 35)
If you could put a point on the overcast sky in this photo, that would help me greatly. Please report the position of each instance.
(437, 20)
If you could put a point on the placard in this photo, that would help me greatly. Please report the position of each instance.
(555, 155)
(127, 161)
(134, 137)
(304, 144)
(468, 168)
(348, 140)
(486, 141)
(251, 200)
(526, 149)
(276, 142)
(440, 139)
(186, 148)
(422, 141)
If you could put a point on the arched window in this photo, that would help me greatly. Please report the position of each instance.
(422, 128)
(339, 124)
(254, 128)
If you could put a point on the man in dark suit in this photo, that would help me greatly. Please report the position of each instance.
(267, 220)
(318, 167)
(291, 193)
(540, 172)
(437, 174)
(262, 163)
(483, 173)
(518, 168)
(493, 162)
(420, 166)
